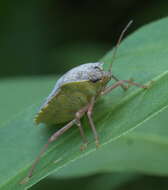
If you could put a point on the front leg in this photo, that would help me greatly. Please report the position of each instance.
(120, 83)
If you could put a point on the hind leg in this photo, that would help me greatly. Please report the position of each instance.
(53, 138)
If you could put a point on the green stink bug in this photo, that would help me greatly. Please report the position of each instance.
(80, 87)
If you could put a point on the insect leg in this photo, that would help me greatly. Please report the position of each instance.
(89, 114)
(85, 142)
(119, 83)
(122, 85)
(50, 140)
(79, 114)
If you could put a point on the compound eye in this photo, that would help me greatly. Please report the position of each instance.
(96, 67)
(95, 80)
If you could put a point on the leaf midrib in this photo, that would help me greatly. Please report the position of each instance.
(155, 139)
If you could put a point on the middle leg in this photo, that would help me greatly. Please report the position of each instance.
(78, 116)
(89, 114)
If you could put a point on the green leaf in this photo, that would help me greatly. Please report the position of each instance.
(144, 150)
(13, 91)
(142, 56)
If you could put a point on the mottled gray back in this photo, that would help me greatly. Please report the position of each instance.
(88, 71)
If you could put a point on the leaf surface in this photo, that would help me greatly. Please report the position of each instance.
(142, 56)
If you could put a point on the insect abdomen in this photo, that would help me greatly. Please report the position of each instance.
(62, 107)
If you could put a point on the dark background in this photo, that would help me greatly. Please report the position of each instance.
(39, 37)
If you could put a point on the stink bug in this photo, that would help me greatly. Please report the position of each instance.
(80, 87)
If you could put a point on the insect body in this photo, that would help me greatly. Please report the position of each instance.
(75, 94)
(73, 91)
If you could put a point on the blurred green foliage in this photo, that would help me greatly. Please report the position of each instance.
(44, 37)
(106, 182)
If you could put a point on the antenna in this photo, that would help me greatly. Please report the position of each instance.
(118, 42)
